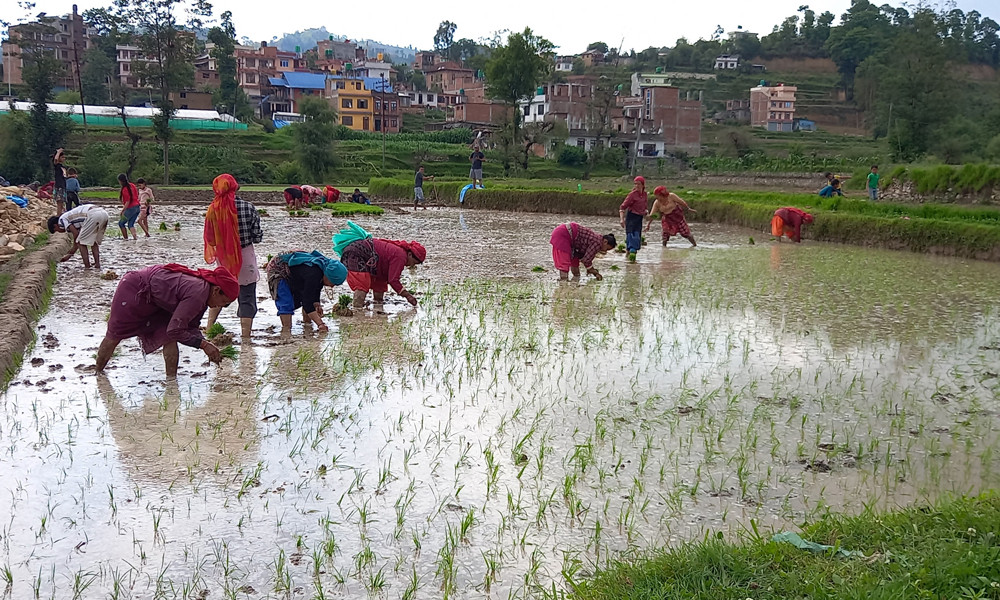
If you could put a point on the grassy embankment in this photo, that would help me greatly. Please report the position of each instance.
(927, 228)
(949, 550)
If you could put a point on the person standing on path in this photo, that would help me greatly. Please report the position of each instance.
(476, 174)
(788, 222)
(249, 233)
(129, 196)
(59, 181)
(87, 224)
(162, 305)
(873, 184)
(145, 204)
(671, 209)
(573, 243)
(632, 212)
(418, 187)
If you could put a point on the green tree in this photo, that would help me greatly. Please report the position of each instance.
(462, 50)
(97, 75)
(170, 51)
(223, 38)
(909, 85)
(513, 72)
(444, 37)
(314, 137)
(865, 30)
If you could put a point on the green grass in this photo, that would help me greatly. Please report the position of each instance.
(949, 550)
(341, 209)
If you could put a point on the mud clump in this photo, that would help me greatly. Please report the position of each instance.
(109, 275)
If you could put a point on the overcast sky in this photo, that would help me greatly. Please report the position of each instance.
(570, 25)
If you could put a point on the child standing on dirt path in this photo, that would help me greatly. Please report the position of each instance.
(129, 196)
(873, 184)
(72, 189)
(145, 204)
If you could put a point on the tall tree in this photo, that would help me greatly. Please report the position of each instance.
(41, 72)
(169, 50)
(513, 72)
(864, 31)
(97, 77)
(223, 38)
(444, 37)
(598, 47)
(911, 86)
(314, 137)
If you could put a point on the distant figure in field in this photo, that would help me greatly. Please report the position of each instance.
(632, 212)
(573, 243)
(873, 183)
(832, 186)
(332, 194)
(145, 204)
(87, 224)
(129, 196)
(670, 207)
(788, 222)
(293, 197)
(476, 173)
(311, 194)
(59, 180)
(162, 305)
(72, 188)
(418, 187)
(358, 197)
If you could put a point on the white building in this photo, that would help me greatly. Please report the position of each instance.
(564, 64)
(727, 61)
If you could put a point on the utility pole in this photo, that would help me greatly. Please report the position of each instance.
(79, 81)
(382, 94)
(638, 130)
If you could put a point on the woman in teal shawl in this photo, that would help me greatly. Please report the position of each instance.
(296, 279)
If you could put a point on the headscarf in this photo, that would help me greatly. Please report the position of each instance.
(348, 235)
(808, 218)
(222, 229)
(661, 191)
(333, 269)
(415, 248)
(219, 276)
(640, 179)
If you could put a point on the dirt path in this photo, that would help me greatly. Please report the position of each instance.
(24, 299)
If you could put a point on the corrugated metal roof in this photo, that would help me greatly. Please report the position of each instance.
(308, 81)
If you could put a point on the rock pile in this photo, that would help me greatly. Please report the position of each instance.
(19, 226)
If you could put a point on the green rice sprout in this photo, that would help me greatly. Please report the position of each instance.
(230, 352)
(215, 330)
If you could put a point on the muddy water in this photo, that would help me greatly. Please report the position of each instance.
(511, 433)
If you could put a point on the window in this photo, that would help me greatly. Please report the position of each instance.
(365, 123)
(394, 123)
(392, 106)
(340, 85)
(184, 95)
(284, 63)
(357, 85)
(363, 104)
(184, 105)
(251, 63)
(430, 97)
(378, 106)
(251, 78)
(527, 110)
(346, 103)
(348, 121)
(125, 67)
(65, 54)
(540, 111)
(204, 75)
(581, 143)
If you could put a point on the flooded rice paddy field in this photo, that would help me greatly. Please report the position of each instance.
(506, 438)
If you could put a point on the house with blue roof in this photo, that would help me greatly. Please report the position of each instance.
(290, 87)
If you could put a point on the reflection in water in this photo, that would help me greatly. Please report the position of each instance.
(509, 420)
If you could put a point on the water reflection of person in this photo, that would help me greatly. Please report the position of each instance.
(162, 305)
(160, 436)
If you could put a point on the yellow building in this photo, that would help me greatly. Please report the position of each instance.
(353, 102)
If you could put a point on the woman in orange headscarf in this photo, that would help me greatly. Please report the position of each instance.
(788, 222)
(222, 229)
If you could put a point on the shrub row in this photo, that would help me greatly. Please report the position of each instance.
(966, 179)
(874, 225)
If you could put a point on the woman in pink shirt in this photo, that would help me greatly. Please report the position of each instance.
(129, 196)
(632, 212)
(376, 264)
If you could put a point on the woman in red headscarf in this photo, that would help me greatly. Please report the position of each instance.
(788, 222)
(162, 305)
(376, 264)
(670, 207)
(222, 229)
